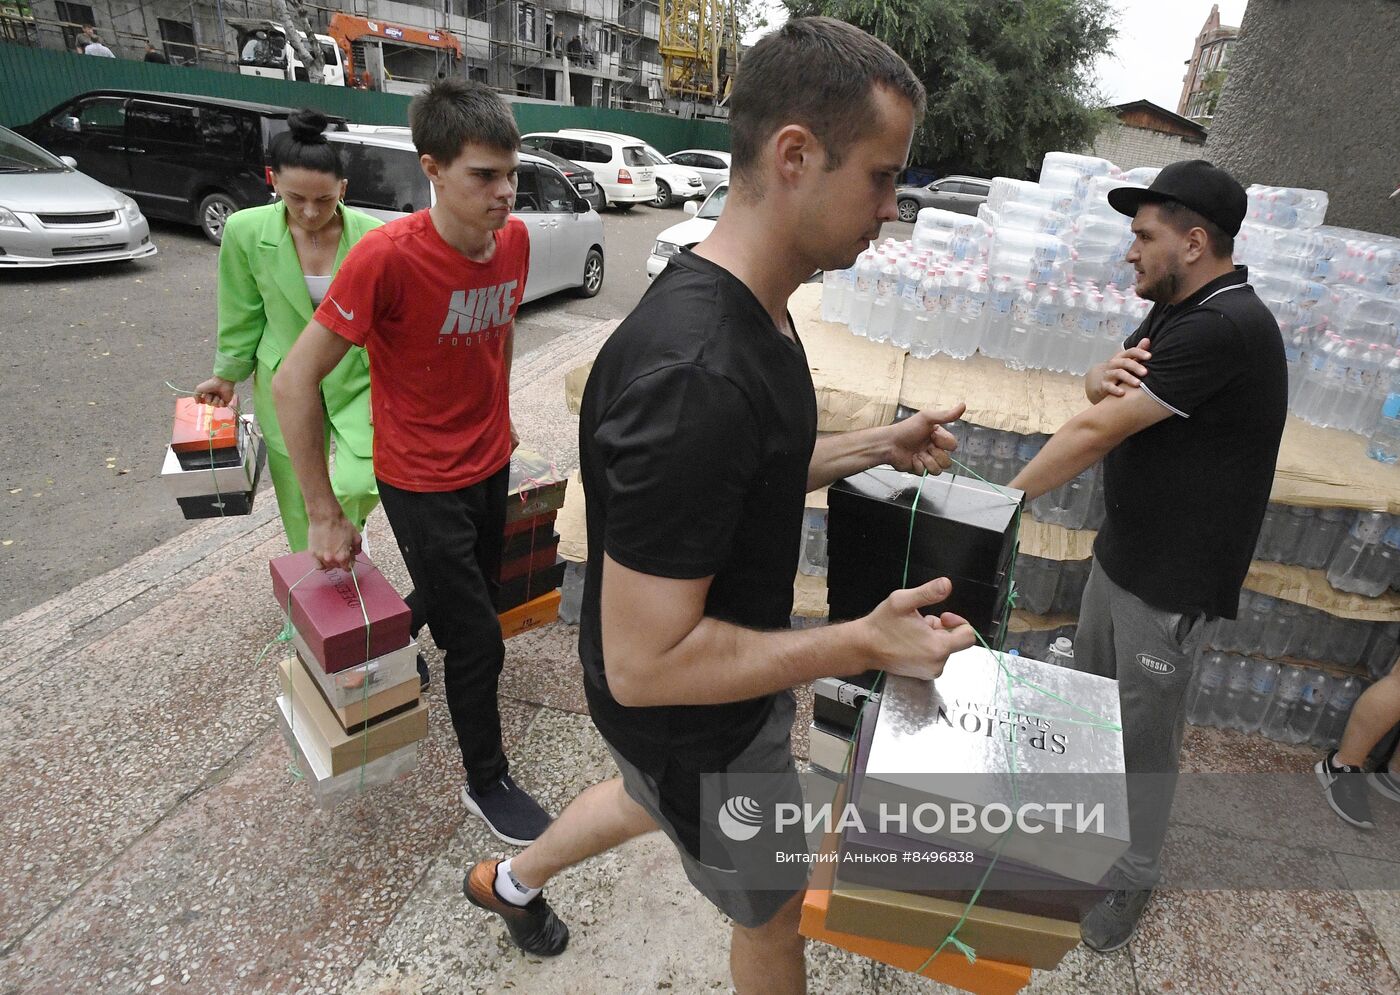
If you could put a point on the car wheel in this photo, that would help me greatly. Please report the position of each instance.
(213, 213)
(909, 211)
(592, 274)
(663, 195)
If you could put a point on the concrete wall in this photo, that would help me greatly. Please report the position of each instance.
(1128, 147)
(1311, 102)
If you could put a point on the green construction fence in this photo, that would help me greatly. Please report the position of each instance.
(34, 80)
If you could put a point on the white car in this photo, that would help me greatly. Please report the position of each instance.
(673, 182)
(711, 164)
(688, 233)
(384, 178)
(620, 166)
(53, 215)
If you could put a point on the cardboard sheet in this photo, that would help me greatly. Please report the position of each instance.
(574, 382)
(1052, 542)
(572, 524)
(809, 596)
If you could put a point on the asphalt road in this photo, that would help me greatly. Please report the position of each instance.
(85, 410)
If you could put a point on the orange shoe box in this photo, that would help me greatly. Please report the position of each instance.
(984, 977)
(530, 615)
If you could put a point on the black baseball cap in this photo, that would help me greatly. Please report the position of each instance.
(1208, 190)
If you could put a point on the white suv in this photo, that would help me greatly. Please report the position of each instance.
(674, 181)
(620, 166)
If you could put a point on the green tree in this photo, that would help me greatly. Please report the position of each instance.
(1008, 80)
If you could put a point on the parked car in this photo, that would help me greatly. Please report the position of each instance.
(182, 157)
(582, 178)
(384, 178)
(621, 168)
(688, 233)
(712, 165)
(963, 194)
(53, 215)
(673, 182)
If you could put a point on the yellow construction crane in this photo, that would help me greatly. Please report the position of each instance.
(699, 48)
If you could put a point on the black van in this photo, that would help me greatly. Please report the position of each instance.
(181, 156)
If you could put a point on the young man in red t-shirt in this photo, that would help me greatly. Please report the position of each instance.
(432, 298)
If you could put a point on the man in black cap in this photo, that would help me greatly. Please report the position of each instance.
(1187, 419)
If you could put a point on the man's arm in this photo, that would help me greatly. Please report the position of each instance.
(296, 389)
(510, 356)
(918, 443)
(1117, 375)
(661, 649)
(1087, 438)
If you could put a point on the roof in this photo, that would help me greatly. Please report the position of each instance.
(199, 98)
(1169, 117)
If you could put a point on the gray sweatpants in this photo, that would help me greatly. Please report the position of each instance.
(1152, 654)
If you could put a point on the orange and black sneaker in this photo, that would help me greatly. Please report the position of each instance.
(534, 927)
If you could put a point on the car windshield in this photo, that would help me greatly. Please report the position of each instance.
(714, 205)
(19, 156)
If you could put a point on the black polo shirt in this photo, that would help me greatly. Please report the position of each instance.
(695, 436)
(1186, 497)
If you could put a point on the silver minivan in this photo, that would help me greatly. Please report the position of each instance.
(384, 178)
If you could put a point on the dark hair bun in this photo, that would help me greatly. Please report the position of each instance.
(308, 126)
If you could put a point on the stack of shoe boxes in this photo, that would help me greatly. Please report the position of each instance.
(531, 569)
(350, 705)
(213, 462)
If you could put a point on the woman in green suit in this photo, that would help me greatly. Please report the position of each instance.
(275, 266)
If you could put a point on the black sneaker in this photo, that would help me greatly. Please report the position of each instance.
(510, 813)
(1112, 923)
(1387, 784)
(534, 927)
(423, 676)
(1345, 788)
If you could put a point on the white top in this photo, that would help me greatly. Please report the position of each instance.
(318, 287)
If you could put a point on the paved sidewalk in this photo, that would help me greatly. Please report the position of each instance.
(154, 840)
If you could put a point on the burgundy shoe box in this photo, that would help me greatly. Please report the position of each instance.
(326, 610)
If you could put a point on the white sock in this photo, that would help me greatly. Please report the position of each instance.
(364, 544)
(510, 889)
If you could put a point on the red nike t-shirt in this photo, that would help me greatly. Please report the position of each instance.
(434, 324)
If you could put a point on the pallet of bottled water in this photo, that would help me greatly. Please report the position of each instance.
(1359, 550)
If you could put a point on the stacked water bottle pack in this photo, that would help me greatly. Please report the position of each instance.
(1360, 550)
(1336, 295)
(1287, 704)
(1279, 629)
(1037, 279)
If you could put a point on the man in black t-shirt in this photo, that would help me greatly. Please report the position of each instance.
(1187, 419)
(697, 440)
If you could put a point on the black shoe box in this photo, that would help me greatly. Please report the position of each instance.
(527, 587)
(855, 589)
(225, 505)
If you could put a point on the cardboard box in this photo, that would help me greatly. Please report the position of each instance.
(204, 426)
(326, 610)
(328, 791)
(984, 977)
(957, 739)
(356, 710)
(347, 687)
(217, 490)
(323, 738)
(538, 560)
(857, 587)
(516, 592)
(531, 615)
(524, 537)
(535, 488)
(916, 920)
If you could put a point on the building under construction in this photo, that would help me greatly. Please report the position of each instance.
(596, 53)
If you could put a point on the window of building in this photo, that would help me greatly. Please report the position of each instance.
(177, 38)
(477, 73)
(525, 16)
(76, 17)
(476, 9)
(551, 40)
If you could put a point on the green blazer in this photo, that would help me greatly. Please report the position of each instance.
(263, 307)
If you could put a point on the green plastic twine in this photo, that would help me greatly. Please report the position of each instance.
(1095, 721)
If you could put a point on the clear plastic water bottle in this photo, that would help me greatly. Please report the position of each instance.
(1002, 466)
(863, 292)
(1310, 390)
(1318, 543)
(1234, 688)
(1312, 698)
(1278, 718)
(1257, 622)
(970, 323)
(1336, 712)
(1344, 640)
(1292, 525)
(1263, 680)
(1383, 442)
(1057, 355)
(833, 294)
(1204, 688)
(1382, 649)
(1387, 382)
(1276, 635)
(1036, 580)
(977, 453)
(1350, 569)
(812, 562)
(1046, 320)
(1090, 333)
(1328, 411)
(924, 341)
(1028, 447)
(911, 271)
(1356, 391)
(1061, 652)
(996, 317)
(1021, 330)
(886, 304)
(1265, 545)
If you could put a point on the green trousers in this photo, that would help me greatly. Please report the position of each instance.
(352, 480)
